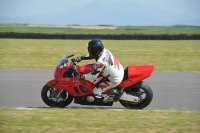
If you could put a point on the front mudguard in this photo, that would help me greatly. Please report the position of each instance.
(54, 84)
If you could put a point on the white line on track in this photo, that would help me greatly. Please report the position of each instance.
(39, 108)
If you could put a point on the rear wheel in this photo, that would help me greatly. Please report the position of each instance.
(49, 96)
(143, 91)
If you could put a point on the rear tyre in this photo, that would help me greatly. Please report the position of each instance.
(49, 95)
(143, 89)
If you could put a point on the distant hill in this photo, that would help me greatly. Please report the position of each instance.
(115, 13)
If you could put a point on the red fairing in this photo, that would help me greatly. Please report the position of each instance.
(60, 71)
(77, 88)
(136, 74)
(52, 82)
(72, 85)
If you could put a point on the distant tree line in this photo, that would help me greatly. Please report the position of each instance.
(105, 37)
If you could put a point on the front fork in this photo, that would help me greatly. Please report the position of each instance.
(59, 93)
(54, 84)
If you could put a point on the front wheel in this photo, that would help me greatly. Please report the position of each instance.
(143, 91)
(49, 96)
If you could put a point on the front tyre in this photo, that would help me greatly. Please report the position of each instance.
(141, 90)
(49, 96)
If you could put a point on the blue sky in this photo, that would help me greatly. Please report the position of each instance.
(23, 8)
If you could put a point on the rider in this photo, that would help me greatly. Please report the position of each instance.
(106, 66)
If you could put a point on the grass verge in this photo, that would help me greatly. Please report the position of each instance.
(45, 54)
(98, 121)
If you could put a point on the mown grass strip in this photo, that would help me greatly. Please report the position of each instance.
(45, 54)
(98, 121)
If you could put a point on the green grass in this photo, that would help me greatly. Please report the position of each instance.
(119, 30)
(45, 54)
(97, 121)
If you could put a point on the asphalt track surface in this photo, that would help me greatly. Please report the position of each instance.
(172, 90)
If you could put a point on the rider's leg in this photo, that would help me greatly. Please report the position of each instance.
(107, 85)
(102, 87)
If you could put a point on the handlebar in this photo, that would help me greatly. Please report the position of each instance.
(74, 61)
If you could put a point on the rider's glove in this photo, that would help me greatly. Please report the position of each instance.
(78, 59)
(80, 77)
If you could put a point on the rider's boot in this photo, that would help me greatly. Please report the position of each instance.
(128, 97)
(97, 92)
(117, 93)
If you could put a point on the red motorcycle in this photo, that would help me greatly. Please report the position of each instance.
(65, 88)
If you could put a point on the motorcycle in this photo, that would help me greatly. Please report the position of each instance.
(65, 88)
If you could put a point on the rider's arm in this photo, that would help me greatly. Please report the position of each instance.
(86, 57)
(93, 75)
